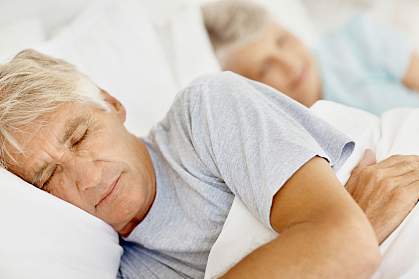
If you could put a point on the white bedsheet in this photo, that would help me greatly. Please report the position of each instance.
(395, 132)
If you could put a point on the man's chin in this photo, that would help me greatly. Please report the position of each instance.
(128, 228)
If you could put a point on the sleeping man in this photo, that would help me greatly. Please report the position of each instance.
(168, 195)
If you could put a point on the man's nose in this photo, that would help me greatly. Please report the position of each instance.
(86, 174)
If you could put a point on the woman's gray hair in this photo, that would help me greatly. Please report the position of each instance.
(230, 23)
(32, 85)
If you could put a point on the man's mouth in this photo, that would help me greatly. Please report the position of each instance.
(110, 191)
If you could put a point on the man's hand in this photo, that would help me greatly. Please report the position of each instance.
(323, 232)
(386, 191)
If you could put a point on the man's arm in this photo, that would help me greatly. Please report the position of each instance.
(323, 233)
(411, 78)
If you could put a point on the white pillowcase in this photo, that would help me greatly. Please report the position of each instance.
(18, 35)
(180, 28)
(53, 14)
(292, 13)
(42, 236)
(116, 46)
(187, 45)
(45, 237)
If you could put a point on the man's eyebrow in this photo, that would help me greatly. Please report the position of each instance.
(71, 126)
(39, 173)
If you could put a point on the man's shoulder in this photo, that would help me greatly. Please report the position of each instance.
(215, 91)
(214, 85)
(205, 96)
(225, 77)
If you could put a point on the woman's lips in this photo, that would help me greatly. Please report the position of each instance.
(110, 191)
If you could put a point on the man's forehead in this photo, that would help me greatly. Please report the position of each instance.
(54, 130)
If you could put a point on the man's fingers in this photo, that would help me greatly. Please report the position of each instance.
(367, 159)
(405, 180)
(396, 159)
(401, 168)
(413, 190)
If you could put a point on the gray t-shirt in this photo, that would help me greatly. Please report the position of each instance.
(223, 136)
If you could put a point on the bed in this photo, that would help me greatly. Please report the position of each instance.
(156, 44)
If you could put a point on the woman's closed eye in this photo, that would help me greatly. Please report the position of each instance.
(282, 40)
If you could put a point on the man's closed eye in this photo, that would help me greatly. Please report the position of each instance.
(46, 183)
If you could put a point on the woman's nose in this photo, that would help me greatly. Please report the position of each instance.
(288, 64)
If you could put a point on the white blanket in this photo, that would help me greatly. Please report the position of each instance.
(395, 132)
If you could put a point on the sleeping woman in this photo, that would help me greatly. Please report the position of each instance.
(362, 65)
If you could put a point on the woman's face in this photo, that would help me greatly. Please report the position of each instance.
(279, 59)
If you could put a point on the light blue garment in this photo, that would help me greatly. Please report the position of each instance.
(362, 66)
(224, 136)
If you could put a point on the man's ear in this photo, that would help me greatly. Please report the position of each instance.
(114, 104)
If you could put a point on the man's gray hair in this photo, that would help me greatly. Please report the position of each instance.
(230, 23)
(32, 85)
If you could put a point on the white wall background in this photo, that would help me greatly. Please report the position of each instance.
(325, 13)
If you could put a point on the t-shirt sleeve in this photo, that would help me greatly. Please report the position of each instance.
(254, 138)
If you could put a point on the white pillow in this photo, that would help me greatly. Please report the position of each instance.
(116, 46)
(291, 13)
(20, 35)
(185, 41)
(45, 237)
(42, 236)
(187, 45)
(52, 13)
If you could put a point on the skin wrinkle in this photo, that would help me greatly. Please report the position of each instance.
(71, 127)
(40, 94)
(86, 171)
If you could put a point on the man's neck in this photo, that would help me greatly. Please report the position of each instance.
(148, 163)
